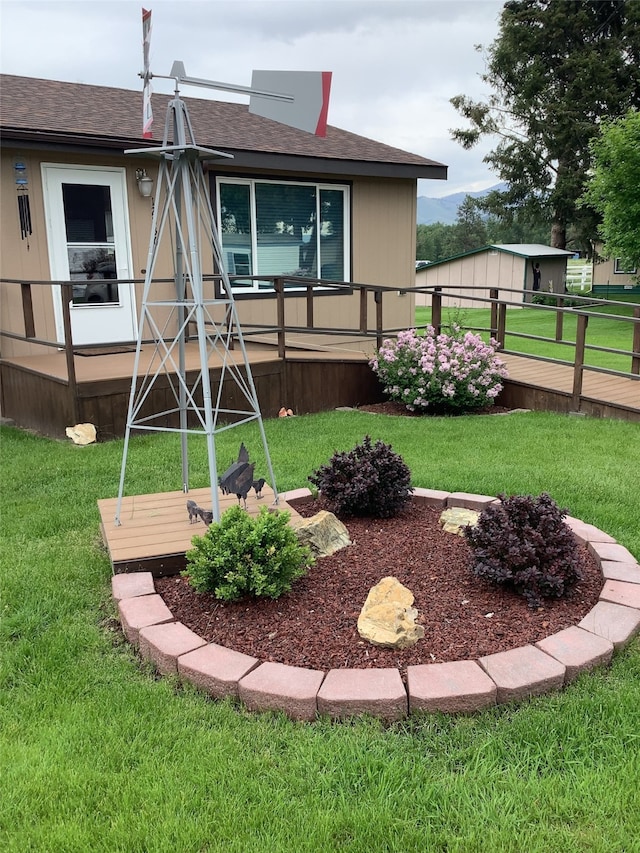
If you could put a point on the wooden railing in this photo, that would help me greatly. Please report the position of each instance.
(283, 288)
(581, 307)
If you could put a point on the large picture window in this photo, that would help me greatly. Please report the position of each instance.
(272, 228)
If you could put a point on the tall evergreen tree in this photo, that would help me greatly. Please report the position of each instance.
(557, 69)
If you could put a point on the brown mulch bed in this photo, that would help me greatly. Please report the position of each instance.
(315, 624)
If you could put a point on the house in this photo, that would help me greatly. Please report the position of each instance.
(611, 277)
(508, 267)
(74, 207)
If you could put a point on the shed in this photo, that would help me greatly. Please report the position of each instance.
(505, 266)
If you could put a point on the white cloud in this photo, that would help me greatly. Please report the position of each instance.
(395, 64)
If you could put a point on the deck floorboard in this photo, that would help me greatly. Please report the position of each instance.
(155, 527)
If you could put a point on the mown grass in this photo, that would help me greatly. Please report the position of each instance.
(602, 331)
(97, 754)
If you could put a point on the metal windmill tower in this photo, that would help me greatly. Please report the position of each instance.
(183, 215)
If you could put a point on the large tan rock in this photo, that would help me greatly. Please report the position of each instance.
(81, 434)
(455, 518)
(388, 618)
(323, 533)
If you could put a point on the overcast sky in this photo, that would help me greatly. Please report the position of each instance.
(395, 64)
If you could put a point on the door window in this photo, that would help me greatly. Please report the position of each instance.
(90, 243)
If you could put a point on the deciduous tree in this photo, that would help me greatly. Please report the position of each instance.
(614, 187)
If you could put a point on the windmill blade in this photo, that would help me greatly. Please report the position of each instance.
(147, 111)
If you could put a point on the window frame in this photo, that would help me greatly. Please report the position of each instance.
(618, 270)
(255, 286)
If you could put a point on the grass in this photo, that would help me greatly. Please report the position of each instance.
(602, 331)
(97, 754)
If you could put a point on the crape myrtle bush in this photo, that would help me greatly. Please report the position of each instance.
(449, 372)
(242, 555)
(523, 543)
(369, 480)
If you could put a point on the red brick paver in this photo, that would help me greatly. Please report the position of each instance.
(431, 497)
(577, 649)
(457, 687)
(584, 532)
(629, 572)
(347, 692)
(132, 585)
(520, 673)
(614, 622)
(278, 687)
(611, 551)
(140, 612)
(468, 501)
(619, 592)
(163, 644)
(216, 669)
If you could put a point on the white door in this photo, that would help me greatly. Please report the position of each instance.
(88, 240)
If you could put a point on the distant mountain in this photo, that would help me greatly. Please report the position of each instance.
(445, 209)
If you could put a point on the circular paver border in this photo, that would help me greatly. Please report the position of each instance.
(456, 687)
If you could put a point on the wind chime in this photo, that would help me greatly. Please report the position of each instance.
(24, 208)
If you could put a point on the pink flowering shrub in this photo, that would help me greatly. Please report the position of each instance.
(447, 372)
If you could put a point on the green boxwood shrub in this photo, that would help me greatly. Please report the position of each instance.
(369, 480)
(242, 555)
(523, 543)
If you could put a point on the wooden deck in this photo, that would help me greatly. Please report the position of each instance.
(155, 532)
(537, 384)
(36, 394)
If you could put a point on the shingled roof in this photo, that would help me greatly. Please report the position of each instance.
(50, 113)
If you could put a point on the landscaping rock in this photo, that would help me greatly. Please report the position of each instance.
(455, 518)
(388, 619)
(323, 533)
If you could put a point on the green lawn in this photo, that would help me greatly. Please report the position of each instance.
(602, 331)
(97, 754)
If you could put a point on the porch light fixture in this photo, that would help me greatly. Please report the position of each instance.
(145, 183)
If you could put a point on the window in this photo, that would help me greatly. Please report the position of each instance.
(90, 242)
(269, 228)
(623, 269)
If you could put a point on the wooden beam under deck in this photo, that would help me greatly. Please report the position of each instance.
(155, 531)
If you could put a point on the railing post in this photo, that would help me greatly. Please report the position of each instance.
(501, 332)
(229, 324)
(559, 318)
(578, 365)
(67, 299)
(635, 359)
(278, 286)
(378, 300)
(493, 294)
(436, 309)
(27, 311)
(363, 310)
(310, 306)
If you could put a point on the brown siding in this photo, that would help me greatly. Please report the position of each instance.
(382, 249)
(604, 273)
